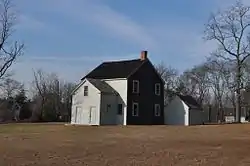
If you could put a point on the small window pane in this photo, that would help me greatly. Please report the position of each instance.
(157, 110)
(135, 111)
(85, 91)
(157, 89)
(135, 86)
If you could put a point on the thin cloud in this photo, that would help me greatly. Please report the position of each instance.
(120, 25)
(110, 21)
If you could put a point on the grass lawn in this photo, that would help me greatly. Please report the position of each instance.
(59, 145)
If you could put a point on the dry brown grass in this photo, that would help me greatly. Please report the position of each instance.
(59, 145)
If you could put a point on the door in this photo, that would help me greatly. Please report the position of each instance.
(92, 118)
(78, 115)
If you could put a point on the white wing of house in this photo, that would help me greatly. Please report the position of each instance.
(94, 102)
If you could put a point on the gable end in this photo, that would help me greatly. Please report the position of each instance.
(148, 62)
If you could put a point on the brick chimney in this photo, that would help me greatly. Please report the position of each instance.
(144, 55)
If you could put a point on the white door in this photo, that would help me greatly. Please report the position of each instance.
(92, 118)
(78, 115)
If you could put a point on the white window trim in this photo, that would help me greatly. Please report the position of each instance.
(156, 93)
(87, 91)
(133, 111)
(155, 111)
(137, 86)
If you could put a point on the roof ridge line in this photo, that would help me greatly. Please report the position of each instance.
(120, 60)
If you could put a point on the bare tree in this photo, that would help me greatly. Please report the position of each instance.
(54, 95)
(199, 76)
(185, 84)
(194, 82)
(170, 77)
(9, 50)
(230, 29)
(10, 87)
(66, 98)
(40, 87)
(230, 93)
(218, 77)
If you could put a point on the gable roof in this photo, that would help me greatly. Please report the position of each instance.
(115, 69)
(101, 85)
(190, 101)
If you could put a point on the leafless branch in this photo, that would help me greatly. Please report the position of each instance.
(9, 50)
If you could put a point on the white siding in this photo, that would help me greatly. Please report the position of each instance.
(120, 85)
(86, 102)
(175, 113)
(108, 115)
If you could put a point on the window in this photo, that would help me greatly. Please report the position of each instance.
(86, 91)
(135, 86)
(158, 89)
(157, 110)
(108, 107)
(119, 109)
(135, 111)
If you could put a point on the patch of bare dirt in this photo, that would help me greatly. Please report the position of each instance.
(59, 145)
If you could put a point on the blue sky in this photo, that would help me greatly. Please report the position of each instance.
(70, 37)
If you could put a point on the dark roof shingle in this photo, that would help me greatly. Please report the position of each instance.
(190, 101)
(115, 69)
(101, 85)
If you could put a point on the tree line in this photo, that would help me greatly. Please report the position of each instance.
(49, 100)
(211, 83)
